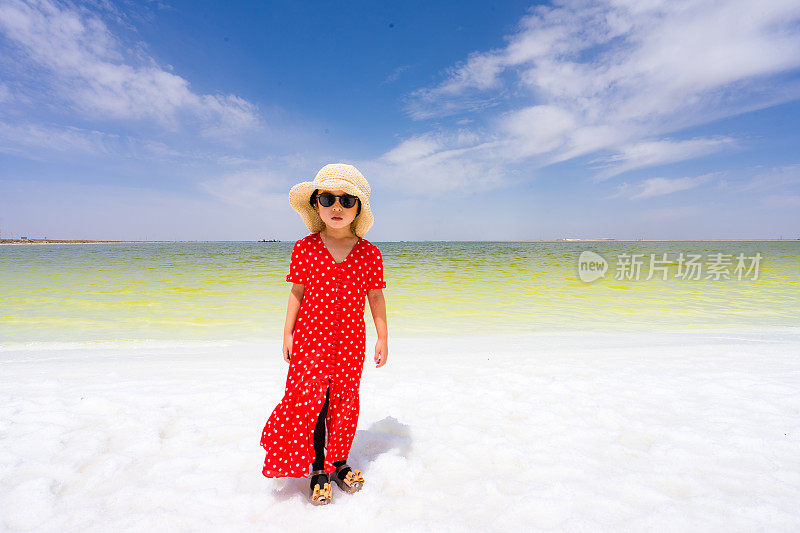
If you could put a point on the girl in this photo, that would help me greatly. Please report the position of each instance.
(332, 270)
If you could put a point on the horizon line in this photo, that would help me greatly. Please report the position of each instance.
(121, 241)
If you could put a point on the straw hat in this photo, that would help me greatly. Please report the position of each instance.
(333, 177)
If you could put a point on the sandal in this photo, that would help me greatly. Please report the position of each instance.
(352, 482)
(321, 496)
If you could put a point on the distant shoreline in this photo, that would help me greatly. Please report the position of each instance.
(87, 241)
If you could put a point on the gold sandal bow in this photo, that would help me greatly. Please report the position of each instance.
(352, 482)
(353, 477)
(320, 496)
(323, 495)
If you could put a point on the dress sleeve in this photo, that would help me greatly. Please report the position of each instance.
(298, 266)
(375, 280)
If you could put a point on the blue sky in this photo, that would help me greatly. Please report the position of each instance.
(471, 120)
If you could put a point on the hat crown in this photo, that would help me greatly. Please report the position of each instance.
(340, 171)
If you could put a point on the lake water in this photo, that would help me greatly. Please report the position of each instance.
(237, 291)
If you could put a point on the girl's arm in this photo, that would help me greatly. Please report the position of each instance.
(377, 304)
(295, 299)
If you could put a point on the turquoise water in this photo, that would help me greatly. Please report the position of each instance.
(237, 291)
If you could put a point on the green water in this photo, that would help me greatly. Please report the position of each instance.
(230, 291)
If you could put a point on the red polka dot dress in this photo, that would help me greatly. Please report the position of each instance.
(328, 350)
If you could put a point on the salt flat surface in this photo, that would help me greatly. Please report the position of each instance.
(581, 432)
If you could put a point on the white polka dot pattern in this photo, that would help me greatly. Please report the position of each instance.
(328, 347)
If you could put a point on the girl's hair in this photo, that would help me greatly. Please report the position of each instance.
(313, 201)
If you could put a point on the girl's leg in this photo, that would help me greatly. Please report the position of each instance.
(319, 444)
(343, 472)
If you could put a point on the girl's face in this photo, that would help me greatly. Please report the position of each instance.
(336, 216)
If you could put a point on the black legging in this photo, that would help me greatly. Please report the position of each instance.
(319, 437)
(319, 444)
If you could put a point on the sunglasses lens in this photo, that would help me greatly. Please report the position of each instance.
(347, 201)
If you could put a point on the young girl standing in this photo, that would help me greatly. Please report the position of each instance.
(332, 270)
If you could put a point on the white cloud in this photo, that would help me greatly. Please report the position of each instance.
(5, 93)
(659, 186)
(536, 130)
(413, 149)
(395, 74)
(436, 175)
(636, 55)
(480, 71)
(251, 188)
(18, 139)
(51, 142)
(618, 75)
(420, 165)
(90, 68)
(652, 153)
(775, 178)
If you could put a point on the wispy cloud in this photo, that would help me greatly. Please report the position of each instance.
(71, 210)
(616, 76)
(5, 93)
(435, 163)
(41, 141)
(772, 179)
(252, 188)
(660, 186)
(72, 56)
(480, 71)
(29, 139)
(590, 56)
(648, 154)
(395, 74)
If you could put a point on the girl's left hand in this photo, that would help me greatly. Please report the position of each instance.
(381, 353)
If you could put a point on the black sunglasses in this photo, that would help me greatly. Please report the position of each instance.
(347, 201)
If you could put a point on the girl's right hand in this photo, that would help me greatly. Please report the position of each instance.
(287, 346)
